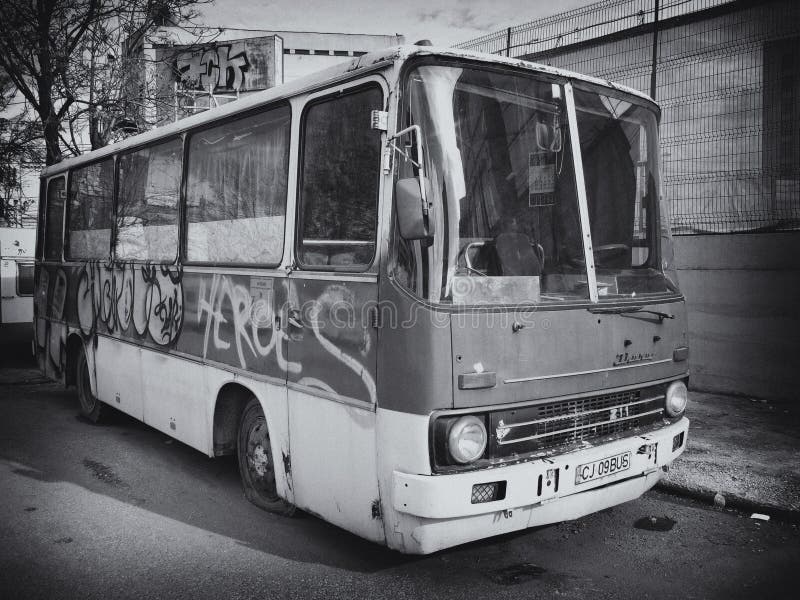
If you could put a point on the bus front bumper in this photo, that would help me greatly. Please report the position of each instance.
(559, 496)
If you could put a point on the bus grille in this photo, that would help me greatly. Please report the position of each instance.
(566, 422)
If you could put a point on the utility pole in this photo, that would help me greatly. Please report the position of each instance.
(655, 54)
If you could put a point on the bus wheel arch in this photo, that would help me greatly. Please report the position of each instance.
(78, 373)
(256, 461)
(235, 411)
(228, 409)
(74, 348)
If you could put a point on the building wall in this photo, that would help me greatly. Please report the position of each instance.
(743, 299)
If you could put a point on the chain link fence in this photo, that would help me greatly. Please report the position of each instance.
(727, 76)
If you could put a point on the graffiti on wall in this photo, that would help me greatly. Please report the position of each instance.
(222, 67)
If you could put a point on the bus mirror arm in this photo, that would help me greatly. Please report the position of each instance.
(419, 163)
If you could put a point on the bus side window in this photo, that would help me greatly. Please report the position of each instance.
(89, 211)
(236, 190)
(340, 171)
(147, 203)
(54, 226)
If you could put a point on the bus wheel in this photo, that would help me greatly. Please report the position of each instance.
(91, 407)
(256, 465)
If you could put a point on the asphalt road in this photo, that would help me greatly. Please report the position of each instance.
(121, 511)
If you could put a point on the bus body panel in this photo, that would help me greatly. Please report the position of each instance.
(334, 464)
(414, 354)
(403, 447)
(332, 337)
(546, 354)
(175, 397)
(183, 404)
(117, 369)
(332, 396)
(230, 318)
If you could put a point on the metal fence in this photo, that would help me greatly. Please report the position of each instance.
(727, 76)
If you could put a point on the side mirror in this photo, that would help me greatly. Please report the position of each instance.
(409, 205)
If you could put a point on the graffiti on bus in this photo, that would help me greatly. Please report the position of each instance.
(117, 294)
(240, 320)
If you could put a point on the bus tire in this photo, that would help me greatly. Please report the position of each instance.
(91, 406)
(256, 464)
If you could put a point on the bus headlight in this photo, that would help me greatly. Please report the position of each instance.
(467, 439)
(677, 396)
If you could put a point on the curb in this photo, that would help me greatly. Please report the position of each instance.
(731, 500)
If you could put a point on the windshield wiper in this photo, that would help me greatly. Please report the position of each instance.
(626, 311)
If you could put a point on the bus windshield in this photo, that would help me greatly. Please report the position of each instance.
(502, 185)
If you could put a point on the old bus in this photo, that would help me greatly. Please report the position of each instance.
(16, 279)
(428, 295)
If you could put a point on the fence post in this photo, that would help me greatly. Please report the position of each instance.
(655, 54)
(508, 41)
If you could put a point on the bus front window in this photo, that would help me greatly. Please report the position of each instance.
(619, 150)
(502, 186)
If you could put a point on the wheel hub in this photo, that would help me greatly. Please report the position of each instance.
(259, 460)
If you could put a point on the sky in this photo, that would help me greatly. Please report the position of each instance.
(444, 22)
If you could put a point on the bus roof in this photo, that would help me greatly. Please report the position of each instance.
(362, 64)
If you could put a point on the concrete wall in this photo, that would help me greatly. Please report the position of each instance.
(743, 297)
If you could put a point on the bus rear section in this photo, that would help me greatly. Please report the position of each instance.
(538, 305)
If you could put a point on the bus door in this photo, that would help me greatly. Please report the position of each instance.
(330, 309)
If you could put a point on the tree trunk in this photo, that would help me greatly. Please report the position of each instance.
(50, 133)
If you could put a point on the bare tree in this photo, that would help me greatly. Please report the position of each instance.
(69, 60)
(20, 149)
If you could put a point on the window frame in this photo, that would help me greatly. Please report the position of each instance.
(181, 191)
(32, 266)
(184, 242)
(64, 176)
(68, 209)
(328, 95)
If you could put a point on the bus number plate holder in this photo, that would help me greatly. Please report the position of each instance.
(602, 467)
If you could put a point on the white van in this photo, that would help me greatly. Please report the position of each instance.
(16, 275)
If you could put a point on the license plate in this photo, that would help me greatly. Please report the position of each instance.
(602, 468)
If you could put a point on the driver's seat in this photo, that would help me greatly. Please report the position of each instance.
(516, 255)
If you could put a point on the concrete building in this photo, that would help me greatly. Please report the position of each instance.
(186, 70)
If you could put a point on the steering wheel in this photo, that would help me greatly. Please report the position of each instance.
(467, 266)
